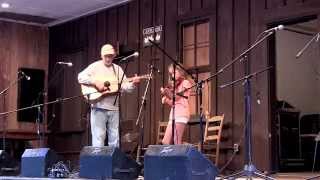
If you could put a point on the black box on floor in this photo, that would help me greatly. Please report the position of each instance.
(177, 162)
(107, 162)
(36, 162)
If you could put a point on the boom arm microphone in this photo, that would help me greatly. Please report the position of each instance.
(69, 64)
(135, 54)
(279, 27)
(315, 38)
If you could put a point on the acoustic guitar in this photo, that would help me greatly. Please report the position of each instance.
(92, 95)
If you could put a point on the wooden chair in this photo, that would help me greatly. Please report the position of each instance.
(161, 131)
(212, 137)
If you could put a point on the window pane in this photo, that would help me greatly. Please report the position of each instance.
(188, 47)
(188, 35)
(206, 96)
(188, 57)
(206, 92)
(202, 44)
(196, 53)
(202, 54)
(203, 33)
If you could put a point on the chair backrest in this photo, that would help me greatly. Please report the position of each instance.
(212, 134)
(213, 128)
(161, 131)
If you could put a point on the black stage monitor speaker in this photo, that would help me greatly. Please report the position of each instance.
(177, 162)
(35, 162)
(8, 165)
(107, 162)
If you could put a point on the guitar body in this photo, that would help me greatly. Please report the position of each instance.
(92, 95)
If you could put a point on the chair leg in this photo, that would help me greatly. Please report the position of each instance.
(217, 157)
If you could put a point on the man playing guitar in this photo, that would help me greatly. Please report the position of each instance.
(104, 113)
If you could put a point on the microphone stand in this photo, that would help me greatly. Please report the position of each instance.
(198, 84)
(314, 38)
(58, 100)
(143, 107)
(4, 92)
(120, 81)
(249, 169)
(175, 63)
(40, 113)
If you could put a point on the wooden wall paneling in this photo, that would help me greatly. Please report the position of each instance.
(196, 4)
(170, 44)
(83, 34)
(184, 6)
(93, 49)
(28, 48)
(74, 35)
(158, 62)
(71, 114)
(68, 34)
(55, 90)
(241, 43)
(224, 55)
(5, 52)
(8, 28)
(130, 19)
(3, 38)
(134, 31)
(301, 10)
(210, 4)
(113, 26)
(128, 100)
(293, 2)
(101, 28)
(23, 46)
(260, 113)
(272, 4)
(122, 21)
(146, 19)
(123, 24)
(93, 52)
(213, 60)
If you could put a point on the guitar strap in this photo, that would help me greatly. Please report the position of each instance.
(114, 72)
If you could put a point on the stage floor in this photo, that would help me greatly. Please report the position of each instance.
(290, 176)
(278, 176)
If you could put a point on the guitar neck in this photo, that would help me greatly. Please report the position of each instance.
(129, 79)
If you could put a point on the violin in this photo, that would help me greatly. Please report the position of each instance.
(167, 91)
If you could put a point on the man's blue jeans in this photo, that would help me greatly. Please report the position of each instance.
(102, 121)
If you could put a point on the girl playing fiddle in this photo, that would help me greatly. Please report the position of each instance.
(182, 112)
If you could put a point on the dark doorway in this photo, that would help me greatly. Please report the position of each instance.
(30, 93)
(295, 91)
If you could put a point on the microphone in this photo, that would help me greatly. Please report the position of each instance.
(69, 64)
(24, 75)
(315, 38)
(279, 27)
(299, 54)
(106, 83)
(135, 54)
